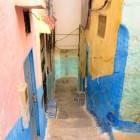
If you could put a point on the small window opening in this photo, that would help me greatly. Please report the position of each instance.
(102, 25)
(27, 21)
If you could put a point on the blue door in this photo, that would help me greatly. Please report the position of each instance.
(31, 95)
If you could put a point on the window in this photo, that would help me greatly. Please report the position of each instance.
(102, 25)
(27, 22)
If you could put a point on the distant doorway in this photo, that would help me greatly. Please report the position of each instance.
(43, 68)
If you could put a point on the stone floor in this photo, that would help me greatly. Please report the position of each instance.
(72, 122)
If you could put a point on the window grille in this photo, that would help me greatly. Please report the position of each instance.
(27, 21)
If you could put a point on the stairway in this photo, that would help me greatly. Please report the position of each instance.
(72, 122)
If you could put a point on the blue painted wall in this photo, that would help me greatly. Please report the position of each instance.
(42, 116)
(105, 93)
(19, 133)
(34, 89)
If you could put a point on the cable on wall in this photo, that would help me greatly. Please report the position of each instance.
(34, 15)
(102, 7)
(67, 35)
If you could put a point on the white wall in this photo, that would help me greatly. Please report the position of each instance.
(68, 14)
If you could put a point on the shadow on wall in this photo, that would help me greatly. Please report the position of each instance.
(105, 93)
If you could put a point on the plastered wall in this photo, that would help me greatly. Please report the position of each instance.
(14, 47)
(113, 97)
(82, 60)
(130, 104)
(102, 50)
(39, 13)
(66, 63)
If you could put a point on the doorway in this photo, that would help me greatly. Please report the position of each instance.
(43, 68)
(29, 76)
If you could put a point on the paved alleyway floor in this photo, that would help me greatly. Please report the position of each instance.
(72, 121)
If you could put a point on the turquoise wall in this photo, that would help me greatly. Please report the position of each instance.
(66, 63)
(130, 104)
(69, 67)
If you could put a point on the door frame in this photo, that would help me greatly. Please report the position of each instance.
(87, 68)
(31, 60)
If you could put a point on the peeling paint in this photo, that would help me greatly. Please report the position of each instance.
(66, 63)
(105, 93)
(130, 104)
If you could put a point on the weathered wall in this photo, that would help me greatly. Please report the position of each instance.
(103, 49)
(130, 104)
(17, 132)
(66, 63)
(15, 45)
(39, 13)
(113, 86)
(104, 93)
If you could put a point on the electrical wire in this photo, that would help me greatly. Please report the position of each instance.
(67, 35)
(102, 7)
(35, 15)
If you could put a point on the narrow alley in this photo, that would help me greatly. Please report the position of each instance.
(72, 121)
(70, 70)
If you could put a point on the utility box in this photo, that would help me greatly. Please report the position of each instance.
(23, 102)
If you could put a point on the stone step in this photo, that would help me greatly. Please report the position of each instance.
(71, 123)
(103, 136)
(74, 132)
(66, 115)
(73, 113)
(78, 115)
(72, 108)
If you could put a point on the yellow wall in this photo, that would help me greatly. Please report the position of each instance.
(38, 13)
(82, 64)
(102, 50)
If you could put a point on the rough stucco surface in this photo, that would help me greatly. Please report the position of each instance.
(130, 104)
(103, 49)
(42, 115)
(104, 93)
(14, 46)
(66, 63)
(19, 133)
